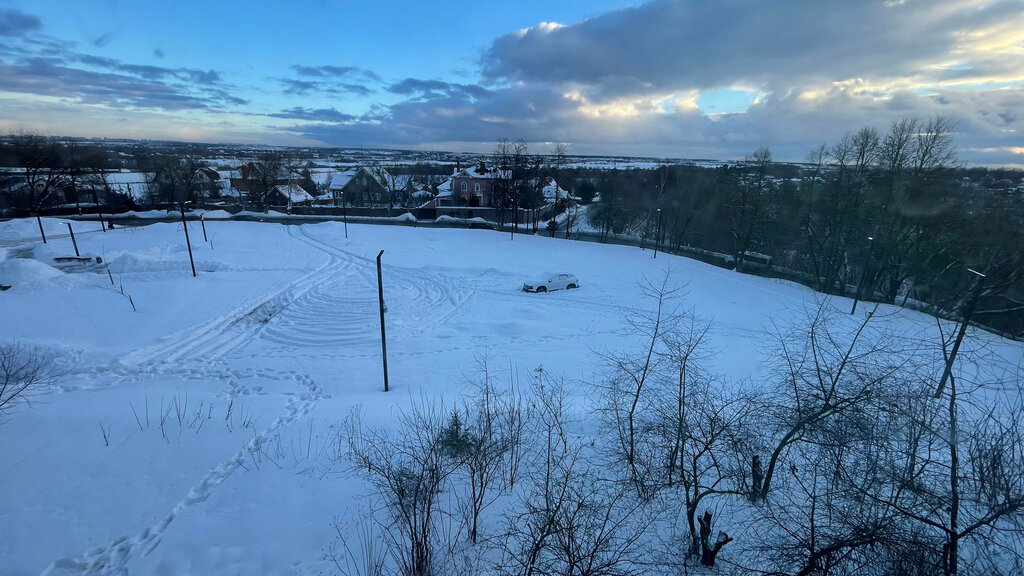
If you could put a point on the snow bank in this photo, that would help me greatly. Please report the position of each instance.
(138, 263)
(454, 220)
(214, 214)
(28, 228)
(144, 214)
(23, 270)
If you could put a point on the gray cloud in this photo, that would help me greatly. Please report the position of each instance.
(100, 80)
(335, 72)
(434, 89)
(626, 81)
(14, 22)
(668, 45)
(44, 77)
(328, 80)
(103, 40)
(988, 124)
(44, 66)
(319, 115)
(303, 87)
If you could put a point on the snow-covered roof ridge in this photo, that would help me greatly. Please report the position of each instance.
(293, 192)
(378, 173)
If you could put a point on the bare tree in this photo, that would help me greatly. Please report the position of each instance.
(600, 530)
(630, 381)
(559, 158)
(484, 443)
(22, 372)
(42, 162)
(822, 375)
(703, 456)
(271, 168)
(408, 471)
(533, 524)
(957, 478)
(752, 203)
(510, 164)
(834, 210)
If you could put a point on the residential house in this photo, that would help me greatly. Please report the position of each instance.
(476, 185)
(290, 195)
(206, 176)
(420, 194)
(247, 175)
(361, 187)
(551, 191)
(207, 181)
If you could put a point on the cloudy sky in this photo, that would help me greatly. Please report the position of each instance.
(666, 78)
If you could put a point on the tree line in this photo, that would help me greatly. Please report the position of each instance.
(891, 214)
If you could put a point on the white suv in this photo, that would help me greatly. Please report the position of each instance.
(552, 282)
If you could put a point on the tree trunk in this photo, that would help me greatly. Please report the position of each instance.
(709, 552)
(757, 477)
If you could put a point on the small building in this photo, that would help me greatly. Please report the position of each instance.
(247, 174)
(208, 181)
(289, 194)
(551, 191)
(361, 187)
(474, 185)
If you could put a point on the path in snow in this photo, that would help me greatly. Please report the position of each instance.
(195, 354)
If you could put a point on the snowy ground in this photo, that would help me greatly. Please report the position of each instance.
(197, 435)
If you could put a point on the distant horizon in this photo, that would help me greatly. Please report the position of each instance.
(350, 148)
(654, 79)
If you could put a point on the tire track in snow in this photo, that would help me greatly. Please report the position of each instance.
(230, 332)
(420, 298)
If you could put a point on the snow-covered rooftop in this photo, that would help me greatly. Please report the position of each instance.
(293, 193)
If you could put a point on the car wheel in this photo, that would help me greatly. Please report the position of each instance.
(570, 287)
(541, 289)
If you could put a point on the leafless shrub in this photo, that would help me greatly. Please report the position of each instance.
(632, 375)
(408, 470)
(23, 372)
(361, 556)
(485, 445)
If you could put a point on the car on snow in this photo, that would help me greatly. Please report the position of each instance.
(552, 282)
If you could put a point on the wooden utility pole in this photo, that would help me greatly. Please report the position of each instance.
(73, 242)
(383, 335)
(41, 232)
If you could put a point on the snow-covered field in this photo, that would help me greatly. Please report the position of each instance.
(197, 435)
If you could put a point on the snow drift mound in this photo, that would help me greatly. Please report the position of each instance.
(21, 270)
(136, 263)
(215, 214)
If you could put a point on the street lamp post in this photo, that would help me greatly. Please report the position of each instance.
(657, 235)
